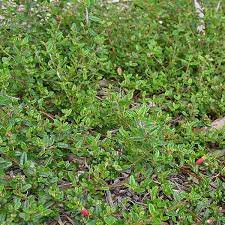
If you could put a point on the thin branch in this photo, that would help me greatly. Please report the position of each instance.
(117, 1)
(49, 116)
(113, 1)
(109, 198)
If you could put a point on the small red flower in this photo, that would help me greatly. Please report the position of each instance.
(200, 160)
(85, 212)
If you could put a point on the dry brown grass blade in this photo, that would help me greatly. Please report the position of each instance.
(60, 222)
(69, 219)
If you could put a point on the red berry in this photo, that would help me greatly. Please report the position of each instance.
(85, 212)
(200, 161)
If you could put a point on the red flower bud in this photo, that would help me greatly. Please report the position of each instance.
(85, 212)
(200, 160)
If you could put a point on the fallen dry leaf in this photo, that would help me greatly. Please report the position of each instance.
(151, 105)
(210, 221)
(65, 185)
(103, 83)
(119, 71)
(216, 125)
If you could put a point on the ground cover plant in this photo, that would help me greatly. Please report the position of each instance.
(108, 113)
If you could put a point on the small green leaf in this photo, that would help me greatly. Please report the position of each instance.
(62, 145)
(26, 187)
(132, 181)
(23, 158)
(151, 209)
(110, 220)
(4, 164)
(5, 100)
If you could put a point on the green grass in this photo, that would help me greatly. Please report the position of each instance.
(100, 114)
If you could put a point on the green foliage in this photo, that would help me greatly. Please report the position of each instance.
(66, 138)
